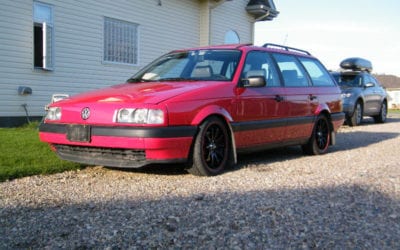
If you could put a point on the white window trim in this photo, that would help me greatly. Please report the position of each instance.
(48, 60)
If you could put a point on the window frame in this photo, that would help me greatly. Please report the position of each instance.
(320, 67)
(274, 70)
(46, 27)
(137, 42)
(299, 68)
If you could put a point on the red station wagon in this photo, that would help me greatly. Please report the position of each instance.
(201, 107)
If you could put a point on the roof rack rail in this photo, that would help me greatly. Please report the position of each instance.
(244, 44)
(273, 45)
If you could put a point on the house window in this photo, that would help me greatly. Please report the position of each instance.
(120, 41)
(43, 36)
(231, 37)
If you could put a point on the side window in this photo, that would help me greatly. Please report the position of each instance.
(319, 75)
(260, 63)
(366, 80)
(291, 70)
(372, 79)
(43, 36)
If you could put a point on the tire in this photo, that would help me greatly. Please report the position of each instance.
(320, 137)
(381, 118)
(212, 152)
(356, 118)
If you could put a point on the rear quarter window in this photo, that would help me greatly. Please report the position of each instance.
(318, 74)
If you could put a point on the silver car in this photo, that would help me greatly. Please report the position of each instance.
(362, 95)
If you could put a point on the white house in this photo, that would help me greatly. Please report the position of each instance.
(58, 46)
(394, 98)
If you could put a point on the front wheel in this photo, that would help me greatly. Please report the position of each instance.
(320, 138)
(356, 118)
(211, 149)
(381, 118)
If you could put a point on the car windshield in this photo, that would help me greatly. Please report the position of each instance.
(349, 80)
(208, 65)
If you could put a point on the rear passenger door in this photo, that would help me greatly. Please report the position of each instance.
(301, 97)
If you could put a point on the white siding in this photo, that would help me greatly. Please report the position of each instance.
(78, 43)
(231, 16)
(78, 46)
(394, 98)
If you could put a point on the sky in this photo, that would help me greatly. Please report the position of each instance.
(335, 30)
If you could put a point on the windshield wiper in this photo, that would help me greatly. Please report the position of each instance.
(135, 80)
(176, 79)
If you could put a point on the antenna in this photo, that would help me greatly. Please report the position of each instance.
(285, 40)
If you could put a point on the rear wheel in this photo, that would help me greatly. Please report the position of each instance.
(356, 118)
(381, 118)
(320, 138)
(211, 149)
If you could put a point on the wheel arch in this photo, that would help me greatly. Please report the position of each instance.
(324, 110)
(209, 111)
(224, 115)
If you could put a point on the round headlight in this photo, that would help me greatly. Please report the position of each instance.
(54, 113)
(124, 115)
(155, 116)
(140, 116)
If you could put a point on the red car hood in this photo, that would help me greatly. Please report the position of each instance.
(147, 93)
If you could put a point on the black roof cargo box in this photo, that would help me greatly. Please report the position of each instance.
(356, 64)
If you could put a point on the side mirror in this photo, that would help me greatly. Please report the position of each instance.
(369, 85)
(253, 82)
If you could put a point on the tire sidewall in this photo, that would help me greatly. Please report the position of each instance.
(315, 148)
(198, 161)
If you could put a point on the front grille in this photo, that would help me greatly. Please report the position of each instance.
(111, 157)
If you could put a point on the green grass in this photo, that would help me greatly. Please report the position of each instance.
(23, 154)
(394, 111)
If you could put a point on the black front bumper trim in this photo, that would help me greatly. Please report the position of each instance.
(134, 132)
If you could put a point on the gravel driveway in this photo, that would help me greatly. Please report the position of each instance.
(348, 198)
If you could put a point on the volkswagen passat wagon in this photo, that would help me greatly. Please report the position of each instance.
(201, 107)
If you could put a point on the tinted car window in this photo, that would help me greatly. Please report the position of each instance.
(318, 74)
(260, 63)
(349, 80)
(291, 70)
(374, 81)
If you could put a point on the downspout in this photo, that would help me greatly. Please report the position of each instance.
(263, 16)
(26, 112)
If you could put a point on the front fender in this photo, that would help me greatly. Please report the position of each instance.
(219, 111)
(211, 110)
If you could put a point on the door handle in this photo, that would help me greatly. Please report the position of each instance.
(312, 97)
(278, 98)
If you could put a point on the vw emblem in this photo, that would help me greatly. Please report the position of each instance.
(85, 113)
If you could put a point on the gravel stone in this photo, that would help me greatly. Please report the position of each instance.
(277, 199)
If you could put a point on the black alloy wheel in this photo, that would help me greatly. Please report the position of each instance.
(212, 149)
(320, 138)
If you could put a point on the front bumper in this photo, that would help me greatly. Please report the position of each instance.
(348, 108)
(122, 146)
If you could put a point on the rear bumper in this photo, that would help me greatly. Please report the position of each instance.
(127, 147)
(337, 120)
